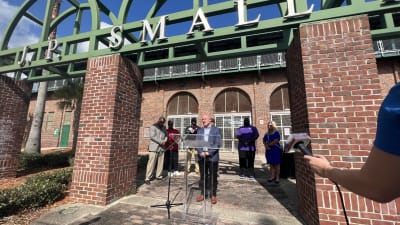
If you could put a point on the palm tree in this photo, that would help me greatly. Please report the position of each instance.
(70, 96)
(33, 144)
(35, 133)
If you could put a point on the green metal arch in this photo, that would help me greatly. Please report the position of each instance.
(14, 22)
(64, 15)
(123, 11)
(68, 63)
(94, 6)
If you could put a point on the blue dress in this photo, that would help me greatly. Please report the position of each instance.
(273, 155)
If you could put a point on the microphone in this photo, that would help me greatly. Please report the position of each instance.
(298, 142)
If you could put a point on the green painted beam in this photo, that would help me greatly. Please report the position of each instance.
(108, 12)
(47, 21)
(200, 40)
(123, 11)
(328, 4)
(74, 3)
(33, 18)
(14, 21)
(55, 70)
(68, 12)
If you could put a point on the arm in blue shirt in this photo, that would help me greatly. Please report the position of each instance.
(388, 126)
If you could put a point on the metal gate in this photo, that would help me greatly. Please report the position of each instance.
(229, 123)
(283, 124)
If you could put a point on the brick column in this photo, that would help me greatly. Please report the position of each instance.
(335, 95)
(106, 157)
(14, 102)
(305, 184)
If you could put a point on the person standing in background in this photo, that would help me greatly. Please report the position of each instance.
(247, 136)
(158, 138)
(171, 160)
(191, 132)
(273, 151)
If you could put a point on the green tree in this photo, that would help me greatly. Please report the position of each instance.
(70, 96)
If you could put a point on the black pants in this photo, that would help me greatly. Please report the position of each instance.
(208, 173)
(171, 161)
(246, 161)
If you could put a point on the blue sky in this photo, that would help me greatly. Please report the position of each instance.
(27, 32)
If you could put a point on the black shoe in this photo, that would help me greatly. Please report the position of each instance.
(147, 182)
(159, 178)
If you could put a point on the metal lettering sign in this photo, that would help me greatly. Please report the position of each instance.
(154, 48)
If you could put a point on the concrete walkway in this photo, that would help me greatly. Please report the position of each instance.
(240, 201)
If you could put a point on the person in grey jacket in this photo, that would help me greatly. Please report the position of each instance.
(208, 157)
(158, 138)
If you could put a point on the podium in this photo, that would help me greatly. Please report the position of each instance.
(193, 212)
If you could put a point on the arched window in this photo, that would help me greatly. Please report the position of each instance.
(232, 100)
(182, 104)
(230, 107)
(279, 100)
(280, 111)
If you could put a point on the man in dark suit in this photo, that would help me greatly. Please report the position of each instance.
(208, 157)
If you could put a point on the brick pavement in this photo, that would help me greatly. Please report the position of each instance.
(239, 202)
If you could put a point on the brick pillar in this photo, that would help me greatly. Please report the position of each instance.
(14, 102)
(305, 183)
(106, 157)
(335, 96)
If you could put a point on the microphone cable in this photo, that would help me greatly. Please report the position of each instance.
(307, 151)
(342, 201)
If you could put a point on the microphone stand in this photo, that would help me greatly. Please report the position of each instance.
(168, 205)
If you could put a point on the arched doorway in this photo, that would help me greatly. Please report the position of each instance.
(230, 107)
(182, 107)
(280, 111)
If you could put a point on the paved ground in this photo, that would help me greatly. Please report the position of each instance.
(240, 201)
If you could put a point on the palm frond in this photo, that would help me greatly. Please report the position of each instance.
(70, 94)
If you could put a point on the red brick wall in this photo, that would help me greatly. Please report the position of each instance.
(106, 156)
(14, 100)
(389, 73)
(341, 93)
(305, 183)
(49, 140)
(258, 87)
(156, 97)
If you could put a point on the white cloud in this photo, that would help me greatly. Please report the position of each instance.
(104, 25)
(83, 47)
(24, 32)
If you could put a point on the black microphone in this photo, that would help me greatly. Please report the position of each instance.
(298, 142)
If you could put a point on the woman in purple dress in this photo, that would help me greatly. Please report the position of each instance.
(273, 151)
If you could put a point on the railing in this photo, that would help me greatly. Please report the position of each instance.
(388, 47)
(52, 85)
(256, 62)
